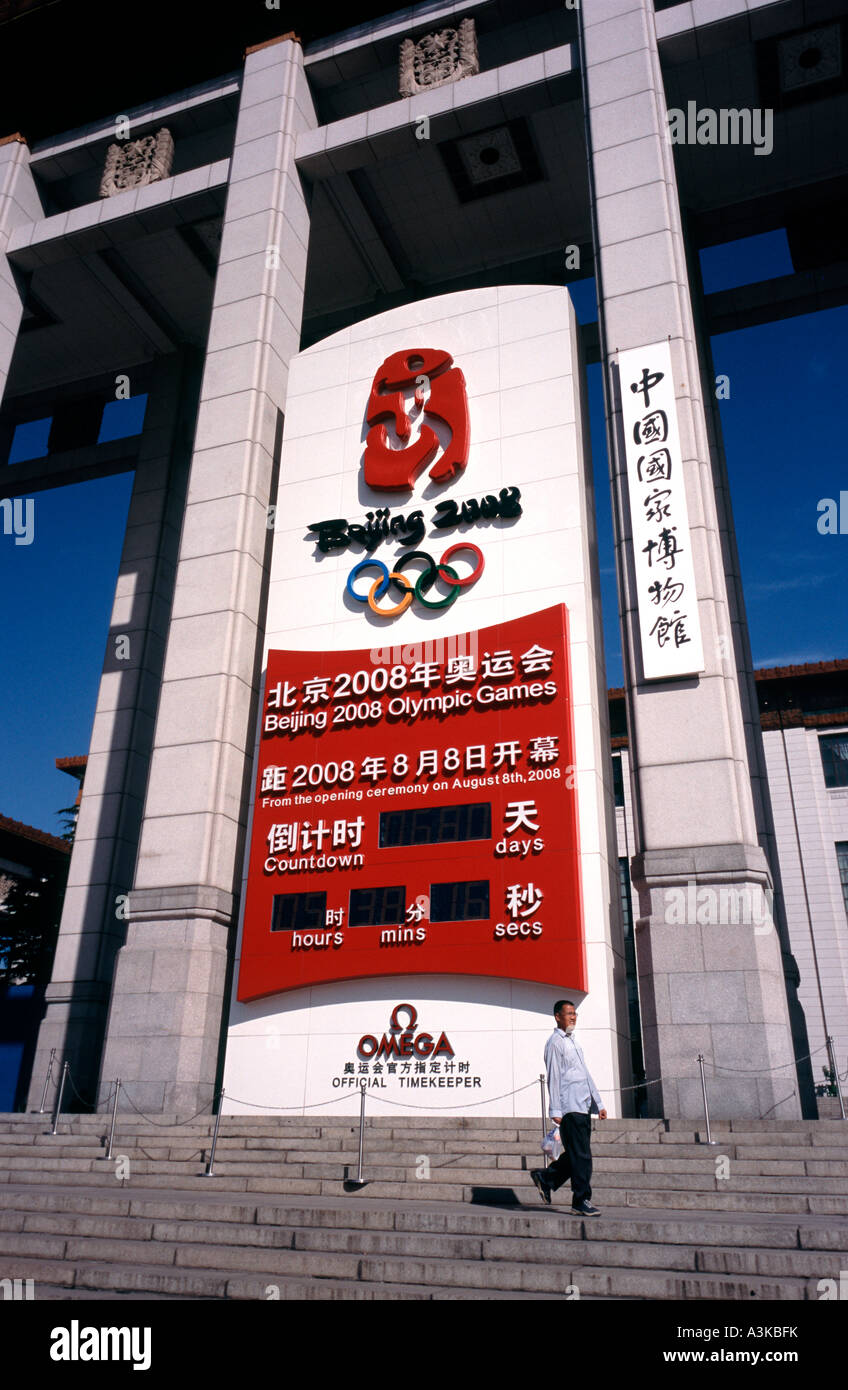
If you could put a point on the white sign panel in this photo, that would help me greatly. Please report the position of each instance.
(662, 544)
(476, 1041)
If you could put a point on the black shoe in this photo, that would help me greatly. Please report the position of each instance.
(541, 1182)
(585, 1209)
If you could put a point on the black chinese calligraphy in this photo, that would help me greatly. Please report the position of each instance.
(646, 384)
(671, 629)
(652, 428)
(653, 467)
(662, 594)
(666, 547)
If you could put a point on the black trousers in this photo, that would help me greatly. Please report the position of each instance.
(575, 1161)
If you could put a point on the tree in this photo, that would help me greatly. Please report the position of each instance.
(69, 828)
(29, 924)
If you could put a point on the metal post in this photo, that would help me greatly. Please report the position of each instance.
(709, 1139)
(65, 1070)
(361, 1129)
(359, 1181)
(108, 1153)
(544, 1130)
(209, 1173)
(835, 1075)
(47, 1080)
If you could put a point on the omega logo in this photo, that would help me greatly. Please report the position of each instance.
(407, 1044)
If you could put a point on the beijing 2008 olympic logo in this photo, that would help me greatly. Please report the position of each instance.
(440, 394)
(425, 581)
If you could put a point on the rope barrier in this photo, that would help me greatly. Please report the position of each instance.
(89, 1103)
(164, 1124)
(469, 1106)
(257, 1105)
(746, 1071)
(405, 1105)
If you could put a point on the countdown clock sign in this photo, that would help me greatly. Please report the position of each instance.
(417, 818)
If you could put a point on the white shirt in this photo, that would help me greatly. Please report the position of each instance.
(570, 1086)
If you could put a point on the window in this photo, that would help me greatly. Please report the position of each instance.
(30, 440)
(617, 780)
(842, 861)
(121, 419)
(834, 756)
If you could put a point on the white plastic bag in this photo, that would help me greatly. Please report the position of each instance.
(551, 1144)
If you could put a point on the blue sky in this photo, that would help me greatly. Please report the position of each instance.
(784, 438)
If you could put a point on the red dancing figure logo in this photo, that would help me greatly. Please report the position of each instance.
(439, 393)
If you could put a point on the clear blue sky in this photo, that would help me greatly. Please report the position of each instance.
(784, 436)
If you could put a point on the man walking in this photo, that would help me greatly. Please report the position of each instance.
(572, 1096)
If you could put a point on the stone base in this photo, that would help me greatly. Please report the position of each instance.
(73, 1023)
(712, 982)
(165, 1018)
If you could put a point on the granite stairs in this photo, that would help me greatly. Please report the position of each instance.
(447, 1210)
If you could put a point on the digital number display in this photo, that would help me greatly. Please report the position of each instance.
(299, 911)
(459, 902)
(377, 907)
(436, 825)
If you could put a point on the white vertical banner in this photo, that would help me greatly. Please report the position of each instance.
(662, 544)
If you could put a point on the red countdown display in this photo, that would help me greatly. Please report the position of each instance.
(417, 816)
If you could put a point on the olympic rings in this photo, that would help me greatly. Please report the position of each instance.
(400, 607)
(381, 584)
(429, 577)
(469, 578)
(423, 583)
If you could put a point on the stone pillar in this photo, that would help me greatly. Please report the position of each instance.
(19, 203)
(171, 978)
(707, 986)
(93, 925)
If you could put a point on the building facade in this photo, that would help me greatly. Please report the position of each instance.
(211, 251)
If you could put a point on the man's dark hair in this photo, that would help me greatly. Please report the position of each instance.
(560, 1005)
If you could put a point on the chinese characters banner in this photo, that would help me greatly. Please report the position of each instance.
(417, 815)
(662, 545)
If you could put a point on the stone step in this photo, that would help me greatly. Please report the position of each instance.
(184, 1248)
(186, 1269)
(678, 1195)
(306, 1163)
(669, 1174)
(117, 1281)
(151, 1240)
(65, 1208)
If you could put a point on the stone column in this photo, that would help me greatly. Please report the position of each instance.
(707, 986)
(19, 203)
(171, 979)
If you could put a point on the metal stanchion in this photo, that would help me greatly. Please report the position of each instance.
(47, 1080)
(56, 1112)
(209, 1166)
(108, 1153)
(544, 1130)
(359, 1181)
(835, 1074)
(709, 1139)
